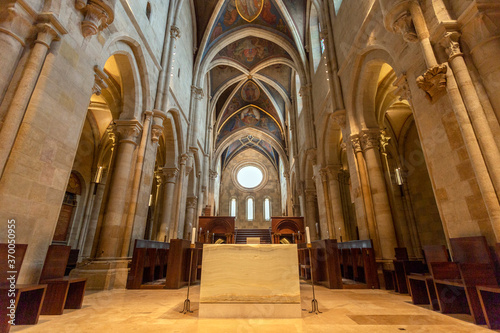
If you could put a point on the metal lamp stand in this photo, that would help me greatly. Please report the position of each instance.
(314, 302)
(187, 302)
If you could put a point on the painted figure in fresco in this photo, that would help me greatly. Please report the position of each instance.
(250, 116)
(217, 32)
(250, 92)
(266, 13)
(249, 9)
(231, 14)
(250, 48)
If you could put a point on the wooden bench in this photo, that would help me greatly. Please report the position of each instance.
(63, 292)
(358, 262)
(403, 267)
(489, 296)
(326, 263)
(421, 286)
(149, 263)
(456, 282)
(28, 299)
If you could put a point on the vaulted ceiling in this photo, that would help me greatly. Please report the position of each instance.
(251, 51)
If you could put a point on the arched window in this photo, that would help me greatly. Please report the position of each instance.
(148, 11)
(315, 39)
(232, 207)
(267, 209)
(250, 209)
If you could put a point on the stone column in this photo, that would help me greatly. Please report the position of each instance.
(15, 26)
(113, 229)
(211, 192)
(191, 207)
(383, 215)
(336, 201)
(155, 219)
(19, 102)
(155, 135)
(475, 111)
(170, 175)
(323, 173)
(311, 215)
(367, 195)
(177, 205)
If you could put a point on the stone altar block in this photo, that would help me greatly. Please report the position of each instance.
(250, 281)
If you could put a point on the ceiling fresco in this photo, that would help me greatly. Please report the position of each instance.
(297, 10)
(251, 51)
(277, 98)
(235, 14)
(280, 74)
(250, 142)
(249, 93)
(220, 75)
(251, 116)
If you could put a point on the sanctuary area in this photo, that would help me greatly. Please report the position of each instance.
(249, 165)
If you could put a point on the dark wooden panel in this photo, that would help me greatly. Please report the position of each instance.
(55, 262)
(18, 256)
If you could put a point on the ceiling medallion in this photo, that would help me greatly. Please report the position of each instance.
(249, 10)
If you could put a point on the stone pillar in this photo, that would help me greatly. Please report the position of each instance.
(113, 229)
(15, 26)
(311, 215)
(336, 201)
(170, 175)
(19, 102)
(323, 173)
(158, 197)
(383, 215)
(367, 195)
(177, 205)
(191, 207)
(211, 191)
(475, 110)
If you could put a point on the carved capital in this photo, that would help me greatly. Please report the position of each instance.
(111, 132)
(339, 117)
(183, 159)
(311, 155)
(213, 174)
(403, 88)
(305, 91)
(156, 132)
(100, 79)
(356, 143)
(191, 202)
(450, 42)
(433, 82)
(403, 25)
(384, 140)
(324, 173)
(99, 14)
(197, 93)
(343, 146)
(46, 34)
(16, 21)
(128, 130)
(370, 139)
(170, 174)
(175, 32)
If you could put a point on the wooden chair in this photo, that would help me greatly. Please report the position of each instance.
(456, 282)
(63, 292)
(28, 299)
(421, 286)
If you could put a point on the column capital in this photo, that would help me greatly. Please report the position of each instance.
(170, 174)
(99, 14)
(370, 139)
(175, 32)
(128, 130)
(16, 20)
(384, 140)
(213, 174)
(433, 82)
(339, 117)
(305, 90)
(157, 128)
(451, 43)
(398, 19)
(197, 93)
(356, 143)
(191, 202)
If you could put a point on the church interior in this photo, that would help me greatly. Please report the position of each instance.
(153, 148)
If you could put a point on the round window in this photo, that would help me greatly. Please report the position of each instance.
(250, 176)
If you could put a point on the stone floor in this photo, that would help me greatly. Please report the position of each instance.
(372, 311)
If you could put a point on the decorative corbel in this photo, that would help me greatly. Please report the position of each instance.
(433, 82)
(99, 14)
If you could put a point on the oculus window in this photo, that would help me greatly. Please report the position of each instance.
(250, 176)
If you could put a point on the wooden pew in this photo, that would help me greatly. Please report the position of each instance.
(489, 296)
(456, 282)
(63, 292)
(149, 263)
(326, 263)
(421, 286)
(179, 261)
(72, 261)
(359, 258)
(28, 299)
(403, 266)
